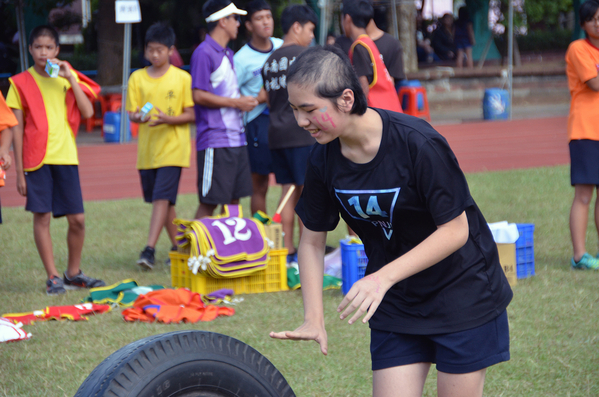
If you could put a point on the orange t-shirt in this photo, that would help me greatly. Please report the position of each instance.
(7, 118)
(582, 65)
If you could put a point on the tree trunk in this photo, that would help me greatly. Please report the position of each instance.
(406, 21)
(110, 45)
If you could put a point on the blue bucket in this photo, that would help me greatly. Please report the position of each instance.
(112, 127)
(419, 97)
(496, 104)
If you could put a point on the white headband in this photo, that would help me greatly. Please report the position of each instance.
(225, 12)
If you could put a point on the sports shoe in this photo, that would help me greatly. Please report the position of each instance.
(82, 281)
(146, 258)
(55, 286)
(587, 262)
(167, 262)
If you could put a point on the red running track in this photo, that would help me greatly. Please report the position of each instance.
(108, 171)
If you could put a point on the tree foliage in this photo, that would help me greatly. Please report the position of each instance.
(533, 14)
(545, 13)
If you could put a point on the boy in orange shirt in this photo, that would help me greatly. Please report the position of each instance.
(48, 111)
(7, 120)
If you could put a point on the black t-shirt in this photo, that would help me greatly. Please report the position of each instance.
(392, 54)
(363, 63)
(394, 202)
(283, 131)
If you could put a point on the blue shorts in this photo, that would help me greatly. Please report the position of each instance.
(256, 132)
(290, 165)
(54, 188)
(455, 353)
(584, 162)
(223, 175)
(160, 184)
(462, 44)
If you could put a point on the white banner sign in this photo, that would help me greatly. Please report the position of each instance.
(127, 11)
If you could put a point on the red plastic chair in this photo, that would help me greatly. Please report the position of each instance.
(412, 102)
(97, 120)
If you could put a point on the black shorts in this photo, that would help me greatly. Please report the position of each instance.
(455, 353)
(256, 132)
(584, 162)
(290, 164)
(223, 175)
(54, 188)
(160, 184)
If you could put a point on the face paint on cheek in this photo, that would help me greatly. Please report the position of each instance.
(322, 127)
(326, 117)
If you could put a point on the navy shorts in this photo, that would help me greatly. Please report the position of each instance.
(454, 353)
(256, 132)
(584, 162)
(462, 44)
(290, 164)
(54, 188)
(160, 184)
(223, 175)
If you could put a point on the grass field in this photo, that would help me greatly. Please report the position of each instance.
(553, 317)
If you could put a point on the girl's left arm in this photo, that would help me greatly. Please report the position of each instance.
(366, 294)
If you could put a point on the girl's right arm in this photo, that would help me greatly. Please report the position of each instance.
(18, 152)
(311, 264)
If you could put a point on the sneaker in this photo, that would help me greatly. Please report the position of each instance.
(587, 262)
(55, 286)
(82, 281)
(167, 262)
(146, 258)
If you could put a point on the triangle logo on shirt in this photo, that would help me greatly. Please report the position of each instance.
(374, 206)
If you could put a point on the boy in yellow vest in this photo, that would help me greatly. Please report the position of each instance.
(49, 110)
(164, 143)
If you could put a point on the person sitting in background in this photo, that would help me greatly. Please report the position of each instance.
(464, 38)
(423, 42)
(442, 40)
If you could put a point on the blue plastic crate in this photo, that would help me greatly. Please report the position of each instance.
(353, 264)
(526, 231)
(525, 251)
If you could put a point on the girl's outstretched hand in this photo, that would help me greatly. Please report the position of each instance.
(364, 297)
(307, 331)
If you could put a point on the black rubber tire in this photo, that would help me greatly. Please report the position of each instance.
(186, 364)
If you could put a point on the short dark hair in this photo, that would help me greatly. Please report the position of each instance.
(297, 13)
(254, 6)
(209, 8)
(360, 11)
(587, 10)
(329, 70)
(44, 30)
(160, 33)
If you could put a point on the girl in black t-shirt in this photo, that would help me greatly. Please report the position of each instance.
(434, 291)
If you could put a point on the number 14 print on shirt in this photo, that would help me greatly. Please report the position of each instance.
(374, 206)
